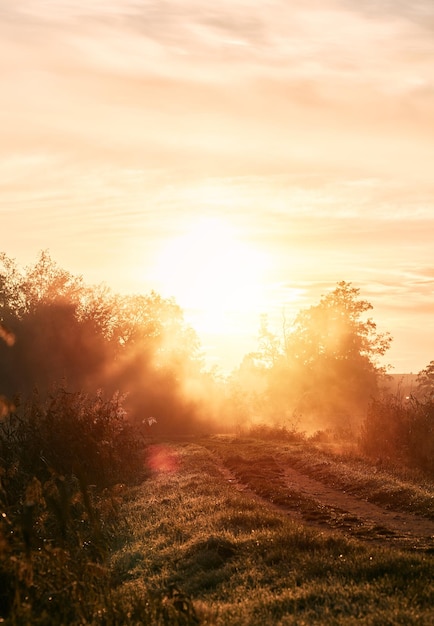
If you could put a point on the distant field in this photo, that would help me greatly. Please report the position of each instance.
(254, 532)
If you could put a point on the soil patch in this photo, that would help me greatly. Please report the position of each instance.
(315, 503)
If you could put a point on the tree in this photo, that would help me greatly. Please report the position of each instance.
(337, 350)
(40, 308)
(54, 328)
(335, 329)
(425, 381)
(325, 366)
(270, 345)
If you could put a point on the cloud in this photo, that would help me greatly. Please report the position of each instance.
(310, 127)
(230, 40)
(232, 67)
(419, 11)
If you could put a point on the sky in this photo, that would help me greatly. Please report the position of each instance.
(242, 157)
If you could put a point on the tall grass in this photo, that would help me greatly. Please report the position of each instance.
(63, 468)
(245, 564)
(401, 429)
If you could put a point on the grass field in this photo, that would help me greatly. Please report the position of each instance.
(219, 533)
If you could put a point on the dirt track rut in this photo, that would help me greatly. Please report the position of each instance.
(323, 506)
(404, 526)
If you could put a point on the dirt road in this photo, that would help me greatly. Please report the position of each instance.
(315, 503)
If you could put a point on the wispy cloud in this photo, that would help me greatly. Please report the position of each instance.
(309, 126)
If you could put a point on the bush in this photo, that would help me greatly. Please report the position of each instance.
(401, 430)
(61, 462)
(266, 432)
(70, 434)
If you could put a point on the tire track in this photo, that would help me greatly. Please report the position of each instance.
(406, 527)
(316, 504)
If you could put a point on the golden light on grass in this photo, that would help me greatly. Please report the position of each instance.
(162, 459)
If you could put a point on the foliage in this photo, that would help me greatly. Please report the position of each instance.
(61, 465)
(337, 351)
(71, 434)
(324, 366)
(48, 579)
(401, 429)
(334, 329)
(66, 451)
(268, 432)
(56, 328)
(269, 346)
(425, 381)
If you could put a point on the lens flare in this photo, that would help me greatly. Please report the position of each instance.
(162, 459)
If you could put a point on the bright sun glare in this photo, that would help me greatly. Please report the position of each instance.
(212, 274)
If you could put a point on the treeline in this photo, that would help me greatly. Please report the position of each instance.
(83, 372)
(322, 375)
(87, 375)
(58, 330)
(322, 370)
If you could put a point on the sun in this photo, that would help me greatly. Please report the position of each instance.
(213, 274)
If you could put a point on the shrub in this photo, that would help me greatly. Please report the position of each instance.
(267, 432)
(401, 430)
(59, 515)
(70, 434)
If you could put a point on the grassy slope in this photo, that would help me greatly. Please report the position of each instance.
(396, 488)
(391, 487)
(242, 563)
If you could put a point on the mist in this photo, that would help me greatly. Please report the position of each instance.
(320, 372)
(58, 331)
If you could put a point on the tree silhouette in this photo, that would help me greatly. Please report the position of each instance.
(337, 351)
(89, 337)
(335, 329)
(325, 365)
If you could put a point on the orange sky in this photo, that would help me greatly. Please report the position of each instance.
(241, 156)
